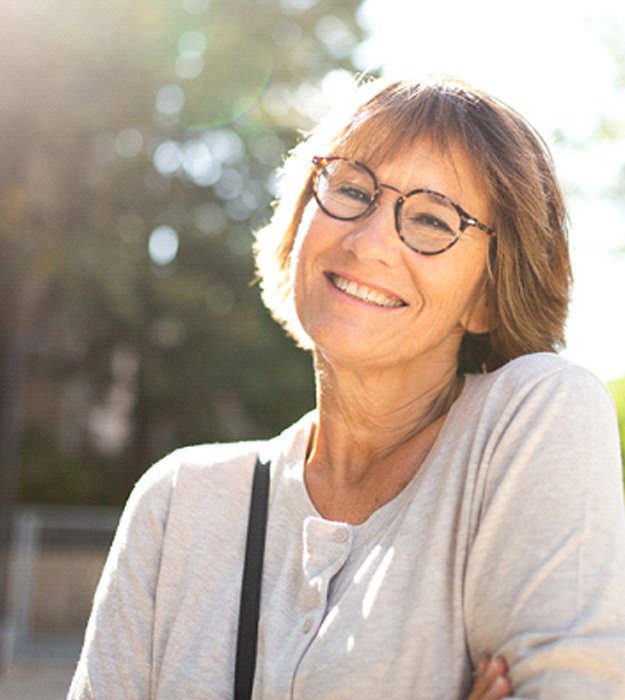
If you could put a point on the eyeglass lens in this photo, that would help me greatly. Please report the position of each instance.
(425, 221)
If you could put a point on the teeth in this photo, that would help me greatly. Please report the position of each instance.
(365, 293)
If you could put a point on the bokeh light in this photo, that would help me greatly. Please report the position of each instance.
(163, 245)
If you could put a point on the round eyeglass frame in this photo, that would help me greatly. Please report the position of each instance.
(466, 220)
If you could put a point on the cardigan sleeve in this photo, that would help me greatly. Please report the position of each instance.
(116, 658)
(545, 576)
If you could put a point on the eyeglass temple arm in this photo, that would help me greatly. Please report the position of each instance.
(483, 227)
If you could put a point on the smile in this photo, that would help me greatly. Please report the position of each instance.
(360, 291)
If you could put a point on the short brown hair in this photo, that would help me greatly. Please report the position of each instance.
(529, 272)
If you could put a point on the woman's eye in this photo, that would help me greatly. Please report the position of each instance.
(355, 193)
(431, 222)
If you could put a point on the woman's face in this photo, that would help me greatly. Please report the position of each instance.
(365, 298)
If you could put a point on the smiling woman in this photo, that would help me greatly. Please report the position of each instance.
(448, 522)
(422, 304)
(512, 169)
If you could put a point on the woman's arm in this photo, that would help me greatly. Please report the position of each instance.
(545, 583)
(116, 659)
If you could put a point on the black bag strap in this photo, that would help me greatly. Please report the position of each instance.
(250, 589)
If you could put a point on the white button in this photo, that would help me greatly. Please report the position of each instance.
(308, 625)
(341, 535)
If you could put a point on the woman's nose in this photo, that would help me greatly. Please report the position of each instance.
(374, 237)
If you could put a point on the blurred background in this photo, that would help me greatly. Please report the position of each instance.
(138, 143)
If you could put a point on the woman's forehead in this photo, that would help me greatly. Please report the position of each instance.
(409, 153)
(374, 143)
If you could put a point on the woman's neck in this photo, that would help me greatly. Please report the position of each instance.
(373, 431)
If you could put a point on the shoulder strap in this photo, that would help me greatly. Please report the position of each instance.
(250, 589)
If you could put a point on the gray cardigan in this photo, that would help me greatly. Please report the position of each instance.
(510, 539)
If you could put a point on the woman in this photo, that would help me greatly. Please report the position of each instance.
(456, 494)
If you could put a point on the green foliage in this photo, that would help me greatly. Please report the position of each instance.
(617, 389)
(119, 118)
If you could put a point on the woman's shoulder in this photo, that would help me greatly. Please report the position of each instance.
(209, 470)
(541, 419)
(188, 475)
(544, 372)
(210, 460)
(540, 390)
(216, 460)
(543, 399)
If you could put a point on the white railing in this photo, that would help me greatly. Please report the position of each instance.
(56, 556)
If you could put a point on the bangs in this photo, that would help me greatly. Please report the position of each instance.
(393, 120)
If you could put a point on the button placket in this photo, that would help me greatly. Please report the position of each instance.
(326, 548)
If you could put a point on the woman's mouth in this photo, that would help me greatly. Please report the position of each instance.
(364, 293)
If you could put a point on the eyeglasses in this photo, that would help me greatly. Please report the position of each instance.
(427, 222)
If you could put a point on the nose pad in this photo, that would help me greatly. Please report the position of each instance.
(374, 237)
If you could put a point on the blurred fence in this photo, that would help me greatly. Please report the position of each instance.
(56, 559)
